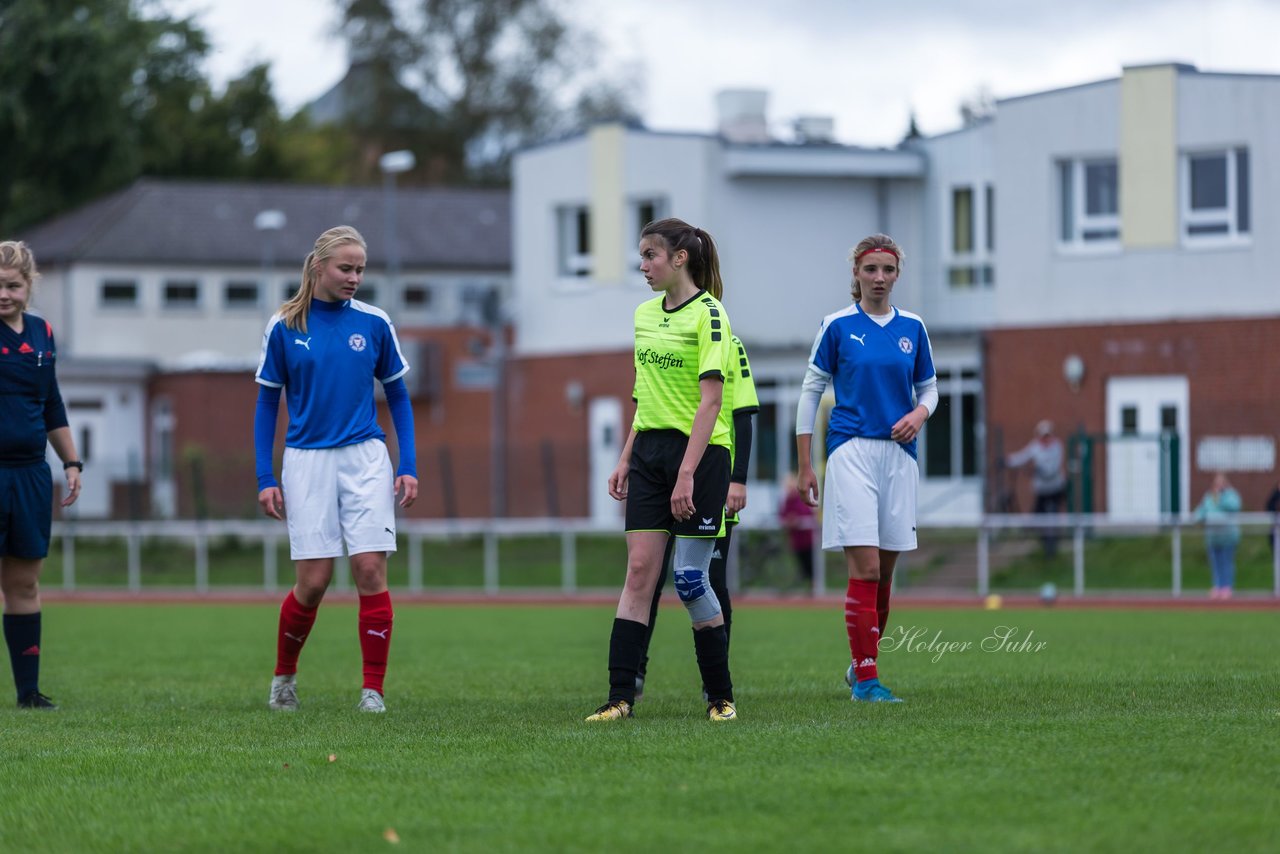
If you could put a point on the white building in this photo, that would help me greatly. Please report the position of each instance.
(1142, 200)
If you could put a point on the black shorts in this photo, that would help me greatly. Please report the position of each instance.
(26, 511)
(655, 463)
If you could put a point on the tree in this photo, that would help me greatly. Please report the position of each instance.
(486, 76)
(99, 92)
(67, 68)
(978, 107)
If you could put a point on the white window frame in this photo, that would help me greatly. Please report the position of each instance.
(1212, 216)
(119, 305)
(229, 304)
(979, 259)
(429, 294)
(572, 265)
(1081, 220)
(630, 258)
(169, 305)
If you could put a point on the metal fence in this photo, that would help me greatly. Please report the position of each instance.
(495, 536)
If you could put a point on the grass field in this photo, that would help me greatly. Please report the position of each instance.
(1144, 729)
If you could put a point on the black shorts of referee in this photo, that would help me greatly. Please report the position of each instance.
(655, 463)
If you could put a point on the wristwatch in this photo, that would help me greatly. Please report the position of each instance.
(73, 464)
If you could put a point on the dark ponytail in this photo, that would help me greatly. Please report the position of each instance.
(704, 260)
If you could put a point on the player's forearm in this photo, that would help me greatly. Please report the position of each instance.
(64, 444)
(804, 449)
(625, 456)
(704, 421)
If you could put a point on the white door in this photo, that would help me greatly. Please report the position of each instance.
(604, 423)
(1139, 411)
(88, 430)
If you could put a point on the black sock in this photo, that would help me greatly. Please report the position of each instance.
(22, 635)
(626, 647)
(712, 648)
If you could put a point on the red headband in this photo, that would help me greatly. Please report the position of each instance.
(884, 249)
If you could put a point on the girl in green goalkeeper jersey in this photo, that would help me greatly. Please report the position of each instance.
(674, 469)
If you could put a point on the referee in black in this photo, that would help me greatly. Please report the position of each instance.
(31, 415)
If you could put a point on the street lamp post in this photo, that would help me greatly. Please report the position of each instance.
(268, 222)
(392, 164)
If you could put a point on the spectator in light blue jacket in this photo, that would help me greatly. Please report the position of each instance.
(1222, 534)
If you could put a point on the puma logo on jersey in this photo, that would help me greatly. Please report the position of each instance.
(859, 338)
(306, 343)
(379, 634)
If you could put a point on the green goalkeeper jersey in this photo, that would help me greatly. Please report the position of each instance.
(675, 350)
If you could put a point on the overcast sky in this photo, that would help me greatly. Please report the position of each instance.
(868, 65)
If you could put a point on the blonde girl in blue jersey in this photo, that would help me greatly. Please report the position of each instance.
(674, 469)
(880, 362)
(325, 349)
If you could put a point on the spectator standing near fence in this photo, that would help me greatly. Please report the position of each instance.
(741, 401)
(1047, 457)
(325, 349)
(674, 469)
(880, 362)
(32, 416)
(1221, 534)
(798, 520)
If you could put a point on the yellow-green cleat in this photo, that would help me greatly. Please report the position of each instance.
(614, 710)
(721, 710)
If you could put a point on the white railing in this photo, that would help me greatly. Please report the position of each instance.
(1081, 524)
(492, 531)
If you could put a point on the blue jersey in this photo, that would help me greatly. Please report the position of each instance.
(328, 372)
(874, 370)
(30, 403)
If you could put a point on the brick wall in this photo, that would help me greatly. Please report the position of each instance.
(1231, 368)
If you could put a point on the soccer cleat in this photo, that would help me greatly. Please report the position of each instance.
(871, 691)
(721, 710)
(848, 676)
(639, 689)
(371, 701)
(614, 710)
(36, 700)
(284, 693)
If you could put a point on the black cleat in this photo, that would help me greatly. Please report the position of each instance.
(36, 700)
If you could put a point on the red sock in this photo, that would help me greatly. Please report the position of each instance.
(295, 625)
(882, 605)
(375, 637)
(860, 621)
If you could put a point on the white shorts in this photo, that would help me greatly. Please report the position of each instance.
(869, 496)
(337, 495)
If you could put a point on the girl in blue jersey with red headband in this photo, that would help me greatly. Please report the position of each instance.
(325, 349)
(880, 361)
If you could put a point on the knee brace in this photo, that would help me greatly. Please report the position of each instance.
(690, 560)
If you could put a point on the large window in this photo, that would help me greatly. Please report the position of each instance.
(573, 235)
(1215, 195)
(971, 239)
(950, 438)
(1089, 199)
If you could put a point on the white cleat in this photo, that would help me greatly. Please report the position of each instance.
(284, 693)
(371, 701)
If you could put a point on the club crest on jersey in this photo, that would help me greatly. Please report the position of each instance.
(357, 342)
(905, 345)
